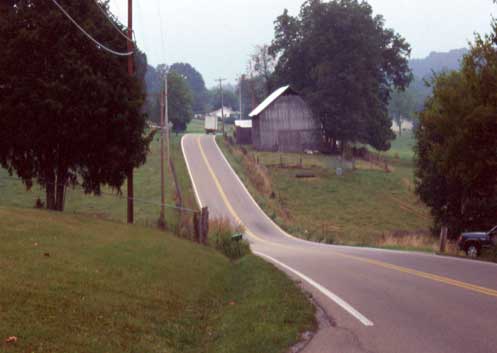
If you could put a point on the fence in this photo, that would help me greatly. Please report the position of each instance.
(110, 205)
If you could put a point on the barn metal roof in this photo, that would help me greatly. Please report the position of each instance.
(270, 100)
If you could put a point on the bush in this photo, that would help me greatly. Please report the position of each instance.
(220, 235)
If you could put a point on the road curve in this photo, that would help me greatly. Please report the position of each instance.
(379, 300)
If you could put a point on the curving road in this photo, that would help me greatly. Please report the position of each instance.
(379, 300)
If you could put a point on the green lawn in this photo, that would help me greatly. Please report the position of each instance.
(72, 283)
(402, 147)
(111, 206)
(196, 126)
(367, 207)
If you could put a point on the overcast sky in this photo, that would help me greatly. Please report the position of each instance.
(217, 36)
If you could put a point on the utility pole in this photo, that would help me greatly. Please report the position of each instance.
(130, 72)
(166, 116)
(241, 106)
(220, 80)
(162, 219)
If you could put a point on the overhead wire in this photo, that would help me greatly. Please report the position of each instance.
(88, 35)
(112, 22)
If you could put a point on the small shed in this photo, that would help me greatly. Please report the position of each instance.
(284, 122)
(243, 132)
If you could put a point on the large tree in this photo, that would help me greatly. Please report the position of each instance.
(196, 84)
(69, 111)
(180, 101)
(261, 68)
(456, 148)
(230, 98)
(346, 64)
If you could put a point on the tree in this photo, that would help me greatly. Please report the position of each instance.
(229, 97)
(402, 107)
(346, 65)
(196, 84)
(69, 111)
(180, 101)
(456, 159)
(261, 68)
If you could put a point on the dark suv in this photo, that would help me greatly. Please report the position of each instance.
(473, 243)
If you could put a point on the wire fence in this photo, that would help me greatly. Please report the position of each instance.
(108, 205)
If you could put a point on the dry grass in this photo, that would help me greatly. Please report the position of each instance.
(405, 240)
(259, 175)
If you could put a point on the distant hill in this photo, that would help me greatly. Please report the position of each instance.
(423, 68)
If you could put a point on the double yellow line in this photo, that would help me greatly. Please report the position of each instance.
(426, 275)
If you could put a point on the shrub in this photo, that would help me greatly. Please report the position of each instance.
(220, 235)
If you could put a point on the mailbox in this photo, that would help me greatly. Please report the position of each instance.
(237, 237)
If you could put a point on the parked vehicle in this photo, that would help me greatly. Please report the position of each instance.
(210, 124)
(473, 243)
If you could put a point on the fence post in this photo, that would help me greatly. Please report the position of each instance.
(205, 225)
(196, 227)
(443, 239)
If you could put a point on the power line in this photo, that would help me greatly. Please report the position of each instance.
(88, 35)
(111, 21)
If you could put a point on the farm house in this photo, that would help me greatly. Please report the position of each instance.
(283, 122)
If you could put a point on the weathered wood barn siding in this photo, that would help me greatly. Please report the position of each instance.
(286, 125)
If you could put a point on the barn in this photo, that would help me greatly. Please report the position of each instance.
(283, 122)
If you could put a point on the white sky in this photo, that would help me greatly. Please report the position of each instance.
(217, 36)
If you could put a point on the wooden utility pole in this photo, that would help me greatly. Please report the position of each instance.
(220, 80)
(252, 89)
(241, 105)
(166, 117)
(130, 72)
(162, 219)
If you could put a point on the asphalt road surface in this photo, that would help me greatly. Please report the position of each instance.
(378, 300)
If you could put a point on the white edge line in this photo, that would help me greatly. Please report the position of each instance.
(195, 191)
(335, 298)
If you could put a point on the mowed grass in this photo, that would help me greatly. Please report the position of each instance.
(78, 284)
(196, 126)
(366, 207)
(111, 205)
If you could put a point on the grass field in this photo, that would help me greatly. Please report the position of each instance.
(366, 207)
(70, 283)
(110, 205)
(196, 126)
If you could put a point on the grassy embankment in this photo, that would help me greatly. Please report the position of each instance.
(72, 283)
(108, 287)
(367, 207)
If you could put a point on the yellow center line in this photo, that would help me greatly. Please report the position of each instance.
(426, 275)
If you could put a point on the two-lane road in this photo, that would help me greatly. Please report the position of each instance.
(381, 301)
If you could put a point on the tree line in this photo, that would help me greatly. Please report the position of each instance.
(456, 142)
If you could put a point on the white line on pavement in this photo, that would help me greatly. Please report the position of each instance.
(342, 303)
